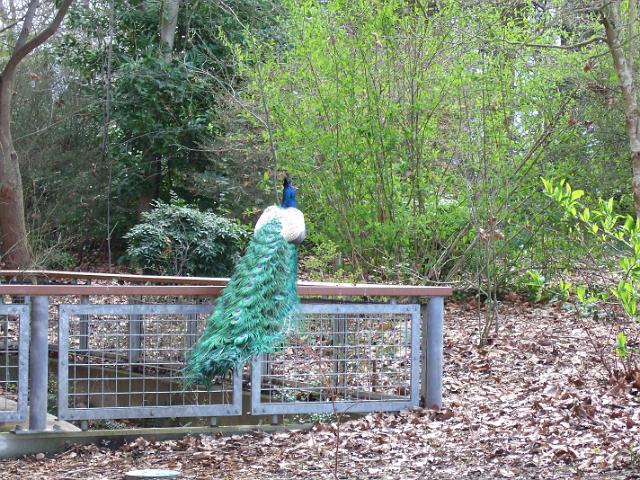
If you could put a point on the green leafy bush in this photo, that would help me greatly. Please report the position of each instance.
(605, 230)
(178, 239)
(56, 260)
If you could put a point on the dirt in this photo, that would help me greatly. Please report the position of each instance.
(537, 403)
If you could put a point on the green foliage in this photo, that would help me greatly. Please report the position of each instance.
(409, 131)
(619, 236)
(409, 136)
(314, 418)
(59, 161)
(564, 289)
(628, 297)
(178, 239)
(616, 234)
(324, 260)
(342, 130)
(55, 258)
(621, 345)
(52, 394)
(535, 284)
(163, 114)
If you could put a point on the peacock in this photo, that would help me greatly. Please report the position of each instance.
(260, 303)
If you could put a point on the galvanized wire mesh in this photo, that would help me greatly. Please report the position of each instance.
(342, 358)
(125, 361)
(121, 356)
(14, 345)
(55, 301)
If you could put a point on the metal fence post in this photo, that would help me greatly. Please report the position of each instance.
(39, 364)
(4, 328)
(432, 350)
(423, 353)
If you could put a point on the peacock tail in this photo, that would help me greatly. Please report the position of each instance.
(255, 310)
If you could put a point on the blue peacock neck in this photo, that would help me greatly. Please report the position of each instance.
(288, 194)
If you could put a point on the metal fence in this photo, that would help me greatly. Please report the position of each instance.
(14, 361)
(125, 361)
(120, 352)
(342, 358)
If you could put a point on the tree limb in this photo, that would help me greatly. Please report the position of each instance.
(10, 26)
(26, 25)
(575, 46)
(22, 50)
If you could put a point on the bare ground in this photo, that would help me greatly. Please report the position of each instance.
(536, 404)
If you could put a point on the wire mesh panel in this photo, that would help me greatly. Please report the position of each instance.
(14, 362)
(342, 358)
(125, 361)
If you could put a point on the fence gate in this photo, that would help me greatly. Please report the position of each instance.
(342, 358)
(125, 361)
(14, 362)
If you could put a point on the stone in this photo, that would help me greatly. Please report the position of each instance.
(52, 422)
(151, 474)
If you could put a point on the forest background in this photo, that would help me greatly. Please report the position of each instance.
(489, 145)
(149, 134)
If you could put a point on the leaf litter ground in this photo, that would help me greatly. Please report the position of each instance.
(536, 403)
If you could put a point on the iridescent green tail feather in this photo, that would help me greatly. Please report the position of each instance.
(257, 306)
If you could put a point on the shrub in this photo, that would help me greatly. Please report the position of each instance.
(178, 239)
(618, 236)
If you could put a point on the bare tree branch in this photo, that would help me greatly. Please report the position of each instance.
(13, 24)
(575, 46)
(27, 46)
(26, 25)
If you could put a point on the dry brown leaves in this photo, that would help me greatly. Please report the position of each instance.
(535, 404)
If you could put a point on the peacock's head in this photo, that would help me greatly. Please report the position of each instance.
(286, 181)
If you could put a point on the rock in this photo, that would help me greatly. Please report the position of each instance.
(151, 474)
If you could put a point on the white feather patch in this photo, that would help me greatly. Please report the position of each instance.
(291, 219)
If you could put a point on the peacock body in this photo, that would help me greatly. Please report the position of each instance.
(259, 304)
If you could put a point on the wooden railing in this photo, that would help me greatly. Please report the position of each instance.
(45, 282)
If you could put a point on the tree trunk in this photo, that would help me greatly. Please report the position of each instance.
(152, 182)
(168, 24)
(151, 186)
(613, 27)
(14, 246)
